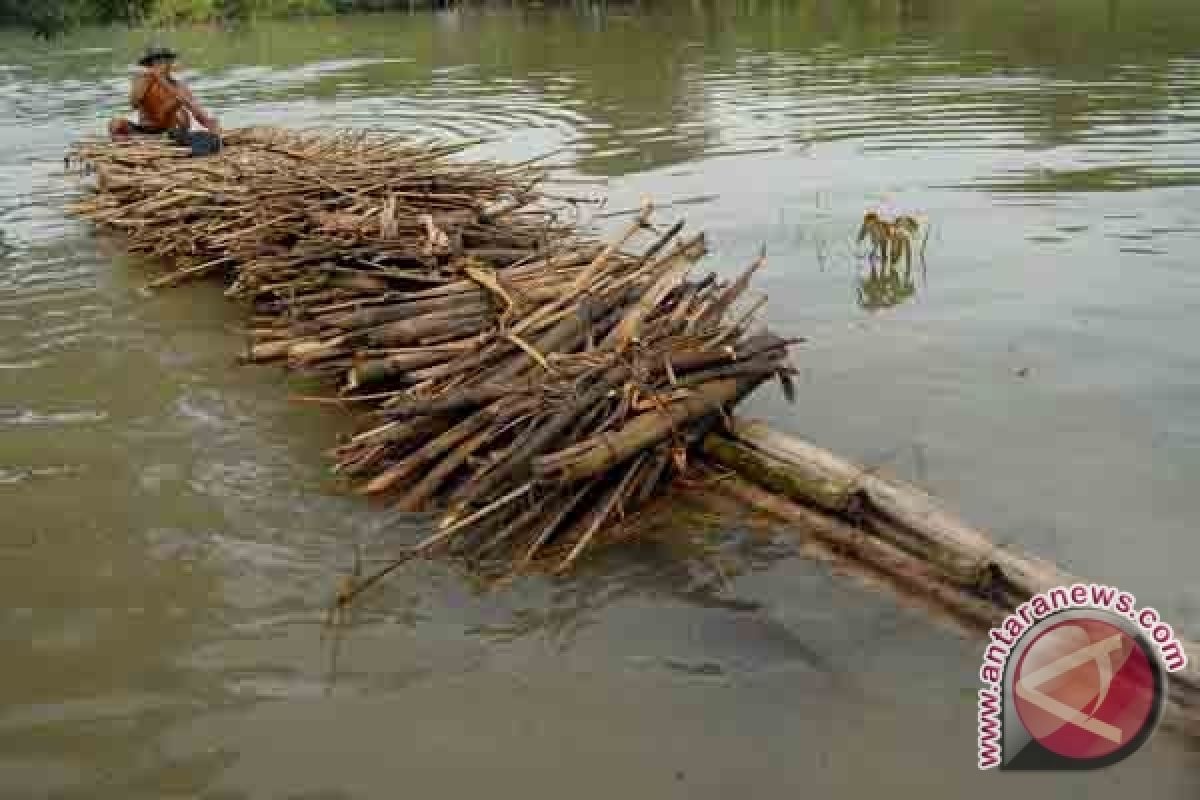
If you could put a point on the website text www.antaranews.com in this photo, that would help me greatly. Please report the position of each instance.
(1003, 638)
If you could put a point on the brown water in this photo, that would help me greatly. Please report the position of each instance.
(170, 534)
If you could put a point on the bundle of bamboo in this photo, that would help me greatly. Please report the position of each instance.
(318, 212)
(531, 384)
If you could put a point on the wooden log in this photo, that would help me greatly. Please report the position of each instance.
(782, 477)
(904, 519)
(945, 538)
(907, 571)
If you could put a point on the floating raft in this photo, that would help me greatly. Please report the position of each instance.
(533, 386)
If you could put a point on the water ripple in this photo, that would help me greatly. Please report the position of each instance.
(29, 417)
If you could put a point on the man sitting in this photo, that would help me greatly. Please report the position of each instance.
(163, 102)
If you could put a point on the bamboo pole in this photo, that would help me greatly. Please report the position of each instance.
(604, 451)
(943, 537)
(904, 570)
(903, 532)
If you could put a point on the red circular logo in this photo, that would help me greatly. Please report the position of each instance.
(1085, 689)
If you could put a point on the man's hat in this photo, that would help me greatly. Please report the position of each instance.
(156, 55)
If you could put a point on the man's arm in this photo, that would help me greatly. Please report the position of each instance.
(193, 105)
(137, 89)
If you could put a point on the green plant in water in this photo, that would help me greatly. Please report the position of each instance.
(884, 285)
(890, 241)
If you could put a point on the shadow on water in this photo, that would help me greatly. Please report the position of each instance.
(684, 553)
(689, 560)
(885, 286)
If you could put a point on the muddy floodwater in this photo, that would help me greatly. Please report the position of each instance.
(170, 533)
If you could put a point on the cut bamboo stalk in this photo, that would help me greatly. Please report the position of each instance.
(604, 451)
(602, 514)
(601, 261)
(894, 515)
(783, 477)
(418, 497)
(907, 507)
(671, 272)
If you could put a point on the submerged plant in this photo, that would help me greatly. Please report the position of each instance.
(884, 287)
(891, 241)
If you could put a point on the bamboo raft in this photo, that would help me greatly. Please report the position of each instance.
(533, 386)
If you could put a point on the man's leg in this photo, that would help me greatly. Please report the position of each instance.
(119, 127)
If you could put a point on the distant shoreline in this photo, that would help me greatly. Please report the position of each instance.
(53, 17)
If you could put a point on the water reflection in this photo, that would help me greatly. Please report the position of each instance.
(689, 550)
(691, 554)
(680, 81)
(885, 286)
